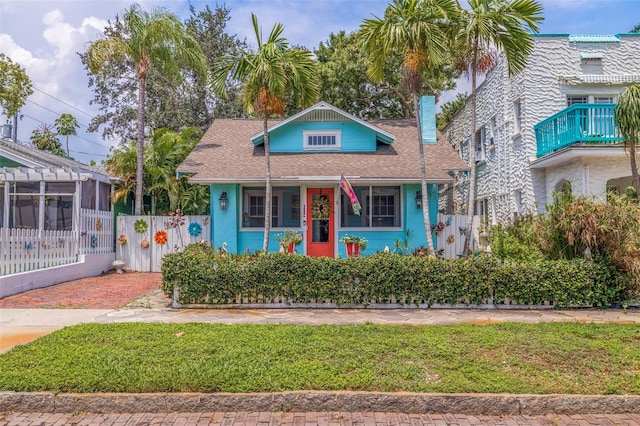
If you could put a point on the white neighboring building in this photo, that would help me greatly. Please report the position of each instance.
(549, 127)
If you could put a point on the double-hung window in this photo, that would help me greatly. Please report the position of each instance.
(380, 208)
(285, 207)
(517, 115)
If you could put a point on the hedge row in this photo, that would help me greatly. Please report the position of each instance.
(203, 277)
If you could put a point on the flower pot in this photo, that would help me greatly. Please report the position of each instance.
(353, 249)
(291, 248)
(118, 264)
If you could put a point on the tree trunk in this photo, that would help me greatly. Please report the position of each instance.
(142, 87)
(267, 196)
(634, 168)
(472, 160)
(423, 179)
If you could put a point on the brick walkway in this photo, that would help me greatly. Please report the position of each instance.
(310, 419)
(108, 291)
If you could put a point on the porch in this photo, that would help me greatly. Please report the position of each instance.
(584, 124)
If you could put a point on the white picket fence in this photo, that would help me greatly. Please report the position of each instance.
(149, 259)
(96, 232)
(451, 231)
(23, 250)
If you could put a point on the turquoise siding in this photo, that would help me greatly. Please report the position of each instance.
(224, 224)
(413, 216)
(354, 137)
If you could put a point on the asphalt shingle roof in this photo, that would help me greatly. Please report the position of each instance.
(226, 154)
(46, 159)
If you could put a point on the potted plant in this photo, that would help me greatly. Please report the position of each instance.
(354, 244)
(289, 239)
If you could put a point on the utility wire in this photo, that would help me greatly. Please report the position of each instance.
(63, 102)
(77, 136)
(50, 110)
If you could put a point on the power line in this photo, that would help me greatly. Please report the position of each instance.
(50, 110)
(79, 137)
(61, 101)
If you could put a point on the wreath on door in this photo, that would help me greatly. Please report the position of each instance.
(320, 208)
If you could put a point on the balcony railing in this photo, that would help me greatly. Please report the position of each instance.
(588, 124)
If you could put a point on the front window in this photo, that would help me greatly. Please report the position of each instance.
(285, 207)
(380, 208)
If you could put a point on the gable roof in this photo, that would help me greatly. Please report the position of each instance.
(32, 157)
(225, 154)
(383, 135)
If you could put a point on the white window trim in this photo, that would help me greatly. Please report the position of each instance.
(246, 193)
(366, 208)
(307, 133)
(517, 117)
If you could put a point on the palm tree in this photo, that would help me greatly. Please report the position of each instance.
(486, 27)
(627, 116)
(154, 39)
(275, 72)
(416, 29)
(66, 125)
(162, 155)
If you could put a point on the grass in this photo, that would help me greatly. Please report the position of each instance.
(503, 358)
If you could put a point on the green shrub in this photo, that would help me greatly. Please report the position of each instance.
(203, 276)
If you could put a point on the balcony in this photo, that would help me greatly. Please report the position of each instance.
(586, 124)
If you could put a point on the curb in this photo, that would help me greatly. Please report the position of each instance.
(317, 401)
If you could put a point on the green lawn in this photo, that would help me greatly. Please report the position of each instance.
(511, 358)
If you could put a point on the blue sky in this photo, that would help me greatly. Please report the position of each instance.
(44, 36)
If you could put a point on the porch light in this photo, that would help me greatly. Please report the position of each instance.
(418, 200)
(223, 201)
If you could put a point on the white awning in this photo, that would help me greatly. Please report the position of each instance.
(599, 79)
(37, 174)
(586, 56)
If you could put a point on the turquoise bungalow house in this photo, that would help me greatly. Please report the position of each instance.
(310, 151)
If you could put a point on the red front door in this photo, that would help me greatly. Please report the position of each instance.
(320, 220)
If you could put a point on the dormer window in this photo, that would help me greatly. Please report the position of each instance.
(321, 139)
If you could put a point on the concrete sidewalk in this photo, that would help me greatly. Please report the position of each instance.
(18, 326)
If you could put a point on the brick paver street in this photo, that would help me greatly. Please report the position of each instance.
(311, 419)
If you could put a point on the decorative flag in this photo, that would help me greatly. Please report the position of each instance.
(348, 189)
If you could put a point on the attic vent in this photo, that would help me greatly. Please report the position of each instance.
(321, 115)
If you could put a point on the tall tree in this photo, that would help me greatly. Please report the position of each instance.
(174, 106)
(415, 29)
(157, 38)
(44, 139)
(345, 83)
(66, 125)
(627, 117)
(15, 86)
(486, 27)
(162, 155)
(275, 71)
